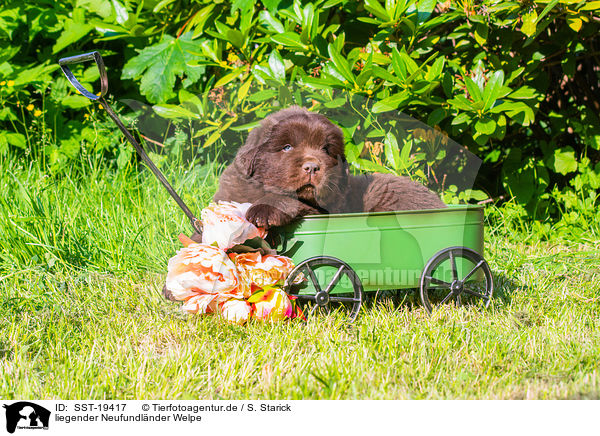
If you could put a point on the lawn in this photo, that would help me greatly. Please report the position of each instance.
(82, 261)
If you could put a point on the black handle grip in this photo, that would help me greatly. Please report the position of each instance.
(94, 55)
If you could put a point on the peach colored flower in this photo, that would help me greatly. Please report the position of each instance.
(235, 311)
(200, 303)
(257, 271)
(271, 304)
(225, 225)
(200, 268)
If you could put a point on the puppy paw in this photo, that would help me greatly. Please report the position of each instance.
(264, 215)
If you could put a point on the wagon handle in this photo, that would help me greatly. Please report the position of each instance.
(94, 55)
(82, 58)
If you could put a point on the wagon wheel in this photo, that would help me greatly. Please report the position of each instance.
(322, 297)
(441, 284)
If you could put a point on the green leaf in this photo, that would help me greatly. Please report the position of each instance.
(271, 5)
(124, 157)
(16, 139)
(121, 12)
(201, 18)
(263, 95)
(436, 116)
(341, 64)
(563, 161)
(308, 15)
(492, 89)
(448, 84)
(398, 65)
(40, 73)
(594, 141)
(174, 111)
(481, 33)
(391, 150)
(73, 32)
(461, 118)
(289, 39)
(335, 103)
(191, 102)
(405, 154)
(3, 145)
(75, 101)
(435, 71)
(487, 126)
(473, 89)
(425, 8)
(229, 77)
(159, 65)
(547, 9)
(277, 66)
(461, 102)
(244, 89)
(574, 22)
(162, 4)
(524, 93)
(529, 23)
(376, 9)
(474, 194)
(267, 18)
(367, 165)
(386, 75)
(590, 6)
(391, 103)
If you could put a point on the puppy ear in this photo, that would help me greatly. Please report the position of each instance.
(246, 156)
(345, 169)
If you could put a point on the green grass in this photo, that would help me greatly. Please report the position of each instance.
(82, 260)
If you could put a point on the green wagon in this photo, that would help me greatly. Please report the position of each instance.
(341, 256)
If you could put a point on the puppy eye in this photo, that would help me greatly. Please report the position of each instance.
(327, 147)
(286, 147)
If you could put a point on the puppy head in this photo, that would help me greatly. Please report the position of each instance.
(297, 153)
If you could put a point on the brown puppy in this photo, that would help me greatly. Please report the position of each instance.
(293, 165)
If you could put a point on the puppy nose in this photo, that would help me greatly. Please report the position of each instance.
(310, 167)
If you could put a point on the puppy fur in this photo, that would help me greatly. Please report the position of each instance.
(293, 165)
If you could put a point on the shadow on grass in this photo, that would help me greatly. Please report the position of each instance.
(504, 288)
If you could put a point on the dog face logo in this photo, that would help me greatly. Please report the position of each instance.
(26, 415)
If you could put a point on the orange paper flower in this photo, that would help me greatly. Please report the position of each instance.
(257, 271)
(200, 303)
(235, 311)
(202, 269)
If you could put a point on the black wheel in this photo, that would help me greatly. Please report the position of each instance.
(324, 274)
(456, 275)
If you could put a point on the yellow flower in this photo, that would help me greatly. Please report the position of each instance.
(10, 82)
(272, 304)
(3, 83)
(232, 57)
(37, 113)
(29, 107)
(225, 225)
(203, 269)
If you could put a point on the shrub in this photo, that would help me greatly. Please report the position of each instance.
(516, 83)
